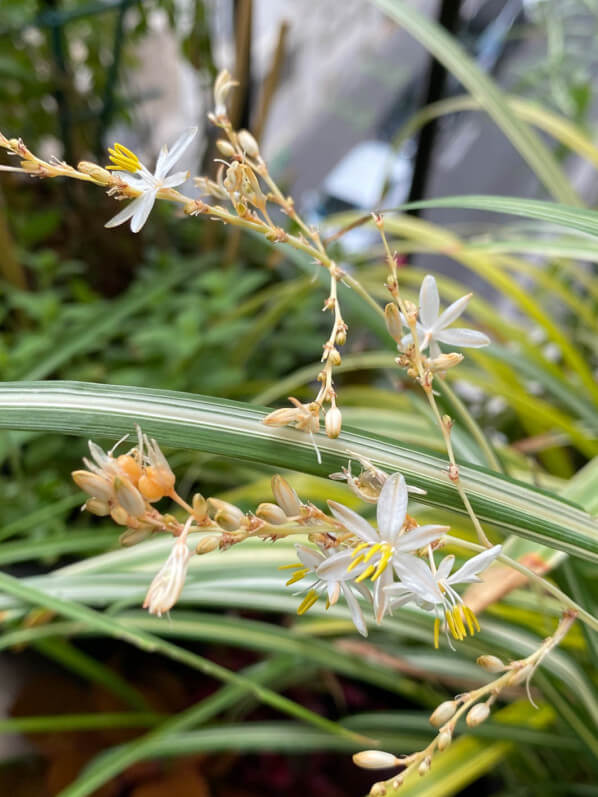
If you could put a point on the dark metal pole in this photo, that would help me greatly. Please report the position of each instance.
(449, 19)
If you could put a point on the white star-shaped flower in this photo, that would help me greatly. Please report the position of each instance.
(432, 325)
(434, 590)
(137, 176)
(385, 545)
(331, 581)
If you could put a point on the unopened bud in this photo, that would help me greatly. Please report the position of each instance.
(101, 176)
(375, 759)
(445, 361)
(225, 147)
(120, 515)
(129, 497)
(444, 739)
(333, 422)
(491, 663)
(341, 338)
(93, 484)
(478, 714)
(133, 536)
(335, 357)
(200, 506)
(425, 765)
(443, 713)
(286, 498)
(393, 322)
(271, 513)
(248, 143)
(97, 507)
(228, 516)
(398, 781)
(207, 544)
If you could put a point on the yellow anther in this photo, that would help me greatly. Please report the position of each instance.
(307, 602)
(451, 624)
(360, 548)
(382, 564)
(366, 574)
(355, 563)
(297, 576)
(123, 159)
(471, 618)
(372, 552)
(295, 566)
(436, 632)
(459, 625)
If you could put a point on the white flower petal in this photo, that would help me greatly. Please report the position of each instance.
(452, 312)
(160, 171)
(429, 301)
(417, 576)
(392, 507)
(355, 609)
(309, 557)
(146, 203)
(380, 595)
(138, 181)
(170, 158)
(445, 567)
(463, 337)
(353, 522)
(125, 214)
(475, 565)
(334, 591)
(419, 538)
(434, 350)
(178, 178)
(334, 567)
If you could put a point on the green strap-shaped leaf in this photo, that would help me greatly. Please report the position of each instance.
(235, 430)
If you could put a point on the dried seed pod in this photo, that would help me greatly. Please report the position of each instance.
(93, 484)
(129, 497)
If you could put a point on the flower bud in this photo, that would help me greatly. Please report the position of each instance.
(341, 337)
(393, 322)
(120, 515)
(425, 765)
(248, 143)
(168, 582)
(286, 498)
(478, 714)
(335, 357)
(375, 759)
(491, 663)
(207, 544)
(101, 176)
(333, 422)
(443, 713)
(129, 497)
(97, 507)
(225, 147)
(131, 537)
(228, 516)
(444, 739)
(200, 506)
(445, 361)
(93, 484)
(271, 513)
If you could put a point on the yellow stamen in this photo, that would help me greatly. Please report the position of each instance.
(366, 574)
(459, 622)
(355, 563)
(360, 548)
(383, 563)
(327, 603)
(123, 159)
(470, 615)
(290, 567)
(436, 632)
(451, 624)
(307, 602)
(372, 552)
(297, 576)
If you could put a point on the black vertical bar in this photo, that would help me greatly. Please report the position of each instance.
(448, 18)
